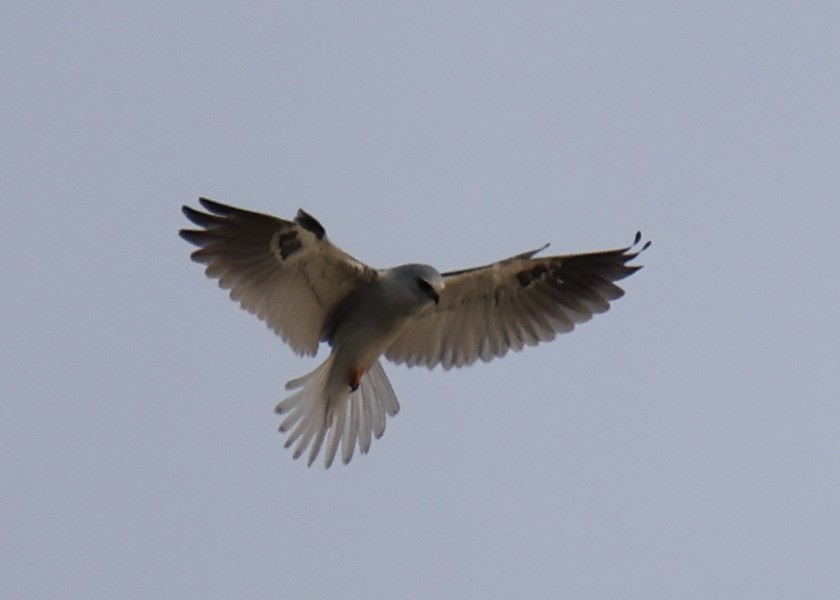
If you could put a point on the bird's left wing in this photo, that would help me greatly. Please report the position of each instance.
(486, 311)
(285, 272)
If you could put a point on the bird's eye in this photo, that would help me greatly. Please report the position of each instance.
(428, 289)
(425, 285)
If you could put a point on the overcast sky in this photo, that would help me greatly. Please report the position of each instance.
(684, 445)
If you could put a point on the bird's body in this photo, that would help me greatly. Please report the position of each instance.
(309, 291)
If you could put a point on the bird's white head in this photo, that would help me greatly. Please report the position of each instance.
(424, 281)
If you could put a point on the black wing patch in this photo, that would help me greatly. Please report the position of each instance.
(288, 243)
(310, 223)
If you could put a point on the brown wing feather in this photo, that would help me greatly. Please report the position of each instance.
(287, 273)
(486, 311)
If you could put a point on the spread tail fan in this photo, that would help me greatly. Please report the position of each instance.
(323, 408)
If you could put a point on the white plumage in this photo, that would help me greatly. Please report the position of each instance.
(309, 291)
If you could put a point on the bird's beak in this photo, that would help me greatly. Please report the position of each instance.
(436, 298)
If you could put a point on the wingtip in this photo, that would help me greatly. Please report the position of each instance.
(638, 238)
(191, 213)
(310, 223)
(214, 207)
(188, 235)
(532, 253)
(630, 252)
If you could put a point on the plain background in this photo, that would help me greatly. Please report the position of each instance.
(684, 445)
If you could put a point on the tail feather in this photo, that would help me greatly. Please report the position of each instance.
(316, 445)
(365, 430)
(351, 432)
(380, 398)
(335, 436)
(324, 410)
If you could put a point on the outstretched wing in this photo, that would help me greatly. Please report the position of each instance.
(287, 273)
(486, 311)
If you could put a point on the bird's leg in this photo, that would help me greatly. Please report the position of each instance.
(355, 379)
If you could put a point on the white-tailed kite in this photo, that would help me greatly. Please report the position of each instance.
(309, 291)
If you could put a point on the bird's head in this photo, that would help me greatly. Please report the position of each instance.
(425, 280)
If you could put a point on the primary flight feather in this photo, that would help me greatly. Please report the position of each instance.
(310, 291)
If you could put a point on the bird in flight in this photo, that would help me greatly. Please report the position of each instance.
(309, 291)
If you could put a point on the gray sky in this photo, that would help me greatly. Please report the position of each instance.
(684, 445)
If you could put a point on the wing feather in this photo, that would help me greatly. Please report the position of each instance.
(507, 314)
(496, 334)
(487, 311)
(287, 273)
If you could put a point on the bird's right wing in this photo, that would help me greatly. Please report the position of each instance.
(486, 311)
(287, 273)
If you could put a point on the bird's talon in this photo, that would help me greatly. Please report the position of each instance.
(356, 379)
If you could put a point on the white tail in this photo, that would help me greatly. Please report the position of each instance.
(324, 404)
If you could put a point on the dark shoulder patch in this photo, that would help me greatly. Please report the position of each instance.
(310, 223)
(287, 243)
(526, 277)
